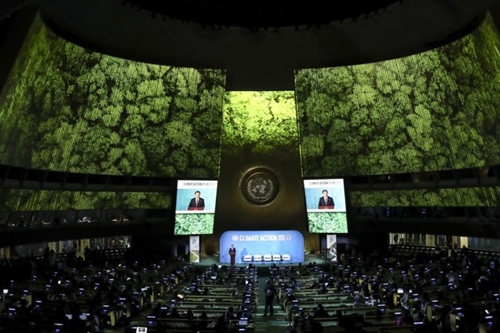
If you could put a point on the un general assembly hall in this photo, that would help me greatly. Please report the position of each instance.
(217, 166)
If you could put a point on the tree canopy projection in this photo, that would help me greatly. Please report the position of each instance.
(445, 197)
(260, 119)
(50, 200)
(436, 110)
(66, 108)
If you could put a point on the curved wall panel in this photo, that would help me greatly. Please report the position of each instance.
(48, 200)
(69, 109)
(444, 197)
(436, 110)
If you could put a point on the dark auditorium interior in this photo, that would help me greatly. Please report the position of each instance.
(217, 166)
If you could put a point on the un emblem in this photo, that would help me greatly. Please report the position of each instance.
(260, 186)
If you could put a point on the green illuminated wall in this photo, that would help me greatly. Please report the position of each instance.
(446, 197)
(48, 200)
(432, 111)
(66, 108)
(260, 130)
(262, 120)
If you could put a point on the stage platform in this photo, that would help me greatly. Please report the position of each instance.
(211, 260)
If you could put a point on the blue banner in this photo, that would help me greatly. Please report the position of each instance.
(270, 246)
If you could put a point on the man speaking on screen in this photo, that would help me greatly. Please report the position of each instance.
(196, 203)
(326, 202)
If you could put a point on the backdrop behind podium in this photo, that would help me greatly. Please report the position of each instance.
(269, 242)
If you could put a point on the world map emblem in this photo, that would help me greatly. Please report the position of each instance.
(260, 186)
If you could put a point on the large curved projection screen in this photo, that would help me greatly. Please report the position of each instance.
(66, 108)
(431, 111)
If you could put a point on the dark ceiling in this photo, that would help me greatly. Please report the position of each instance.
(262, 59)
(255, 14)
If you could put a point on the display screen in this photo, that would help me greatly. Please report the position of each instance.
(325, 204)
(435, 110)
(244, 114)
(52, 200)
(66, 108)
(488, 196)
(195, 207)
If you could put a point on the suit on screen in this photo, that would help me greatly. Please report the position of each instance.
(328, 202)
(194, 204)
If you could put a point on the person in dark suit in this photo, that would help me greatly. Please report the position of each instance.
(326, 201)
(232, 254)
(197, 202)
(270, 291)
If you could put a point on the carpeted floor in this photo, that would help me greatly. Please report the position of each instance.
(277, 322)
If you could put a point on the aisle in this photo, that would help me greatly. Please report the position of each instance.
(276, 323)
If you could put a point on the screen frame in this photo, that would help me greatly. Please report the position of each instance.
(194, 212)
(345, 210)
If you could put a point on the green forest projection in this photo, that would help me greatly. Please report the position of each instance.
(194, 224)
(48, 200)
(445, 197)
(321, 222)
(431, 111)
(260, 119)
(70, 109)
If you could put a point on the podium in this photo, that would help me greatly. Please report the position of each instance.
(196, 208)
(326, 207)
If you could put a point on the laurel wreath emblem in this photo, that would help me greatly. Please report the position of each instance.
(260, 186)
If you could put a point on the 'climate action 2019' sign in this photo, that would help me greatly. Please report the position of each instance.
(255, 246)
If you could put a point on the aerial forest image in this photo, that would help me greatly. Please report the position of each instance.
(49, 200)
(260, 120)
(436, 110)
(66, 108)
(444, 197)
